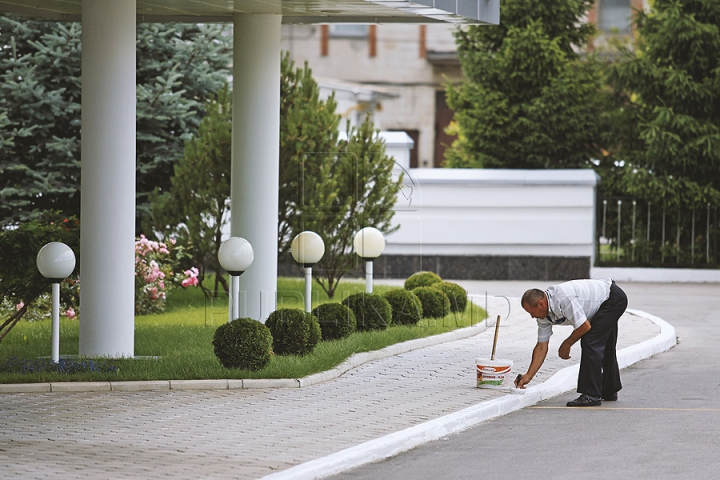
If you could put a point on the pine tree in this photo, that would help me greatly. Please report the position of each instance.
(197, 205)
(179, 66)
(669, 122)
(529, 98)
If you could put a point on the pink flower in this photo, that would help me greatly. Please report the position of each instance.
(70, 313)
(19, 305)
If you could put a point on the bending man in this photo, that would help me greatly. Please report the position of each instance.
(593, 308)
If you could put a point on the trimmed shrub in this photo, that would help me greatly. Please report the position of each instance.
(372, 311)
(457, 295)
(406, 306)
(336, 320)
(243, 343)
(294, 331)
(435, 303)
(421, 279)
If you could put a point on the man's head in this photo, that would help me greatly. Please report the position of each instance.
(535, 302)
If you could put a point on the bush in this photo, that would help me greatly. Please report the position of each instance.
(372, 312)
(421, 279)
(435, 303)
(336, 320)
(457, 295)
(243, 343)
(294, 331)
(406, 306)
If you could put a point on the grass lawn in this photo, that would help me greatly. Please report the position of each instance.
(180, 340)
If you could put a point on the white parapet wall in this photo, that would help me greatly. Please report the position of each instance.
(490, 212)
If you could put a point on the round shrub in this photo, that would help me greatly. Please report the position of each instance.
(435, 303)
(421, 279)
(372, 311)
(457, 295)
(406, 306)
(243, 343)
(294, 331)
(336, 320)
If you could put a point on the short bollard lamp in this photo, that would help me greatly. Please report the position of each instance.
(235, 256)
(369, 244)
(55, 261)
(307, 249)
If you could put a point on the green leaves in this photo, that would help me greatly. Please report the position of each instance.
(529, 99)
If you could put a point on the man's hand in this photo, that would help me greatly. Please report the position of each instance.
(564, 350)
(522, 380)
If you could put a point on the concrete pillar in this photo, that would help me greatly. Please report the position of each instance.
(107, 208)
(255, 155)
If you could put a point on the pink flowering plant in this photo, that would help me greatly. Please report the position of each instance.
(156, 271)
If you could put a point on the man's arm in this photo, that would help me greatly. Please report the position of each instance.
(564, 350)
(538, 357)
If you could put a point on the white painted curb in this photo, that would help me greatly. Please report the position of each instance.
(404, 440)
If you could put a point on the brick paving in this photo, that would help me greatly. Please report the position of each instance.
(252, 433)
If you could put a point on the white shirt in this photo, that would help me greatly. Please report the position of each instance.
(572, 303)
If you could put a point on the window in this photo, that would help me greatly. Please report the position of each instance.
(614, 16)
(348, 30)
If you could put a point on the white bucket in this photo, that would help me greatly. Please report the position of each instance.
(493, 373)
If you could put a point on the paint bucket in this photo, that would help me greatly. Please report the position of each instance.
(493, 373)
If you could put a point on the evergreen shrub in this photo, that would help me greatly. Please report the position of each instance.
(243, 343)
(294, 331)
(336, 320)
(406, 306)
(372, 311)
(435, 303)
(457, 295)
(421, 279)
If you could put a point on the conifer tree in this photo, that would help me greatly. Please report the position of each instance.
(179, 66)
(668, 126)
(529, 97)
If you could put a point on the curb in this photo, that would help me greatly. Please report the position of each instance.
(354, 361)
(404, 440)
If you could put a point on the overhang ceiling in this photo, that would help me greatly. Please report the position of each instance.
(293, 11)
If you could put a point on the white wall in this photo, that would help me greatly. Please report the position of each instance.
(495, 212)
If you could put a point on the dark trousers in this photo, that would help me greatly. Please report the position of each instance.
(599, 373)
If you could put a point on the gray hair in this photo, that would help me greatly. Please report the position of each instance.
(531, 297)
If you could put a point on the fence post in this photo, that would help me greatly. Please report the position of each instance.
(632, 240)
(692, 239)
(618, 230)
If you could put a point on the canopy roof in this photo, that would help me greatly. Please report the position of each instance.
(293, 11)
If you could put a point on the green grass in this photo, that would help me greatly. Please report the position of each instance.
(182, 339)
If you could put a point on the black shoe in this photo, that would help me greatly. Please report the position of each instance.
(610, 398)
(585, 401)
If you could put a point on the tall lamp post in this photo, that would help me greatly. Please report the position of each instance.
(56, 261)
(235, 256)
(307, 249)
(369, 244)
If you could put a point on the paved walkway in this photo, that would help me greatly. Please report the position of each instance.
(254, 433)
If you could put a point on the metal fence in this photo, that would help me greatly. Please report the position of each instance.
(635, 233)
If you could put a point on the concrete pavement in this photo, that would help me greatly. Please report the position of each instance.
(378, 408)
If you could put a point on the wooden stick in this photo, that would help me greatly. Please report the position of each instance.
(497, 330)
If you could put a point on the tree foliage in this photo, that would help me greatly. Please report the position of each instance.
(178, 67)
(529, 98)
(668, 121)
(328, 185)
(197, 205)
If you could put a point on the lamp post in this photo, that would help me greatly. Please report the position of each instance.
(235, 256)
(55, 261)
(307, 249)
(369, 244)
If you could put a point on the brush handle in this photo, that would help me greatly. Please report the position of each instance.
(497, 330)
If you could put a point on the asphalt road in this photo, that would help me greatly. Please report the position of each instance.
(665, 425)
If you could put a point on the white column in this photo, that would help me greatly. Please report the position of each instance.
(255, 154)
(107, 208)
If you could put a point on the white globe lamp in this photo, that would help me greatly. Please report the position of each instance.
(307, 249)
(369, 244)
(55, 261)
(235, 256)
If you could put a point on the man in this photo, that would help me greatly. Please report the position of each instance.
(593, 308)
